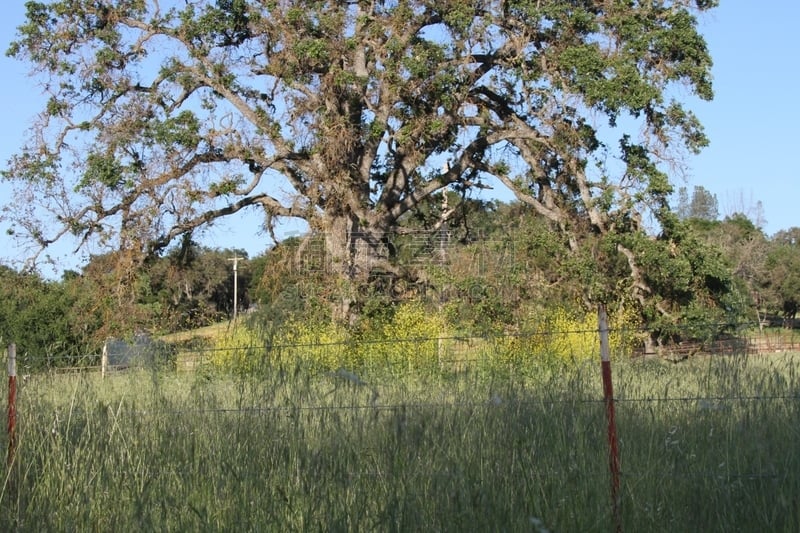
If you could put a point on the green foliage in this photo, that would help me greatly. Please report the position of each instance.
(561, 338)
(691, 278)
(703, 205)
(783, 262)
(641, 167)
(193, 286)
(182, 130)
(480, 304)
(239, 351)
(102, 169)
(413, 339)
(37, 316)
(361, 103)
(312, 53)
(290, 281)
(406, 341)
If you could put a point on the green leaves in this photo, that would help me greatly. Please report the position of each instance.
(684, 51)
(36, 315)
(640, 167)
(356, 106)
(101, 169)
(33, 169)
(183, 130)
(312, 53)
(226, 186)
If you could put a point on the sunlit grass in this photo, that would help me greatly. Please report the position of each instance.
(206, 332)
(708, 445)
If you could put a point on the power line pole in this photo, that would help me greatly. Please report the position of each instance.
(235, 260)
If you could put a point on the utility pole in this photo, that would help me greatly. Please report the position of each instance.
(235, 260)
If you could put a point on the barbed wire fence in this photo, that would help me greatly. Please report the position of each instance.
(454, 355)
(446, 353)
(453, 352)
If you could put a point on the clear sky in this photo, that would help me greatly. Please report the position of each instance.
(752, 122)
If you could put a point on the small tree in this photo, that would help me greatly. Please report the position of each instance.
(744, 248)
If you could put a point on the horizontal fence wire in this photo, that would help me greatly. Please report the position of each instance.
(410, 406)
(744, 475)
(745, 343)
(630, 475)
(451, 355)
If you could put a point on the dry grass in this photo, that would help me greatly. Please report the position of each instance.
(207, 332)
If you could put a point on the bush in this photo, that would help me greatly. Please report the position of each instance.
(240, 351)
(404, 339)
(566, 338)
(407, 339)
(247, 349)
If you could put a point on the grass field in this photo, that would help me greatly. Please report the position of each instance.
(707, 445)
(207, 332)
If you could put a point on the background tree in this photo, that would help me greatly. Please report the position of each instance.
(744, 248)
(162, 118)
(703, 205)
(290, 281)
(110, 300)
(194, 285)
(783, 262)
(36, 315)
(746, 205)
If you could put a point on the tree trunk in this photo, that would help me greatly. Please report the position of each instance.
(355, 252)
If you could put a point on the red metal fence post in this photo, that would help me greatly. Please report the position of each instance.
(12, 403)
(608, 395)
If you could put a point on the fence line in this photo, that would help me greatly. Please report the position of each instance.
(627, 475)
(488, 404)
(748, 345)
(593, 472)
(745, 475)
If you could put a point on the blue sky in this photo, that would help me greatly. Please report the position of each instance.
(752, 122)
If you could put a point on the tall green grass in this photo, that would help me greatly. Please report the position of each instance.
(710, 445)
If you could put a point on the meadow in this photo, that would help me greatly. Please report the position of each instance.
(710, 444)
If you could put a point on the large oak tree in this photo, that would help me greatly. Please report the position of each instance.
(163, 116)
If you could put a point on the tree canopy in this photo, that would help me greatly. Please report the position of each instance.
(162, 117)
(783, 285)
(702, 206)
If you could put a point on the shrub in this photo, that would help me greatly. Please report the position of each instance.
(317, 344)
(409, 339)
(240, 350)
(246, 349)
(567, 338)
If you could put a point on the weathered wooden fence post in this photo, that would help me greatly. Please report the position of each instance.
(12, 403)
(104, 360)
(608, 394)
